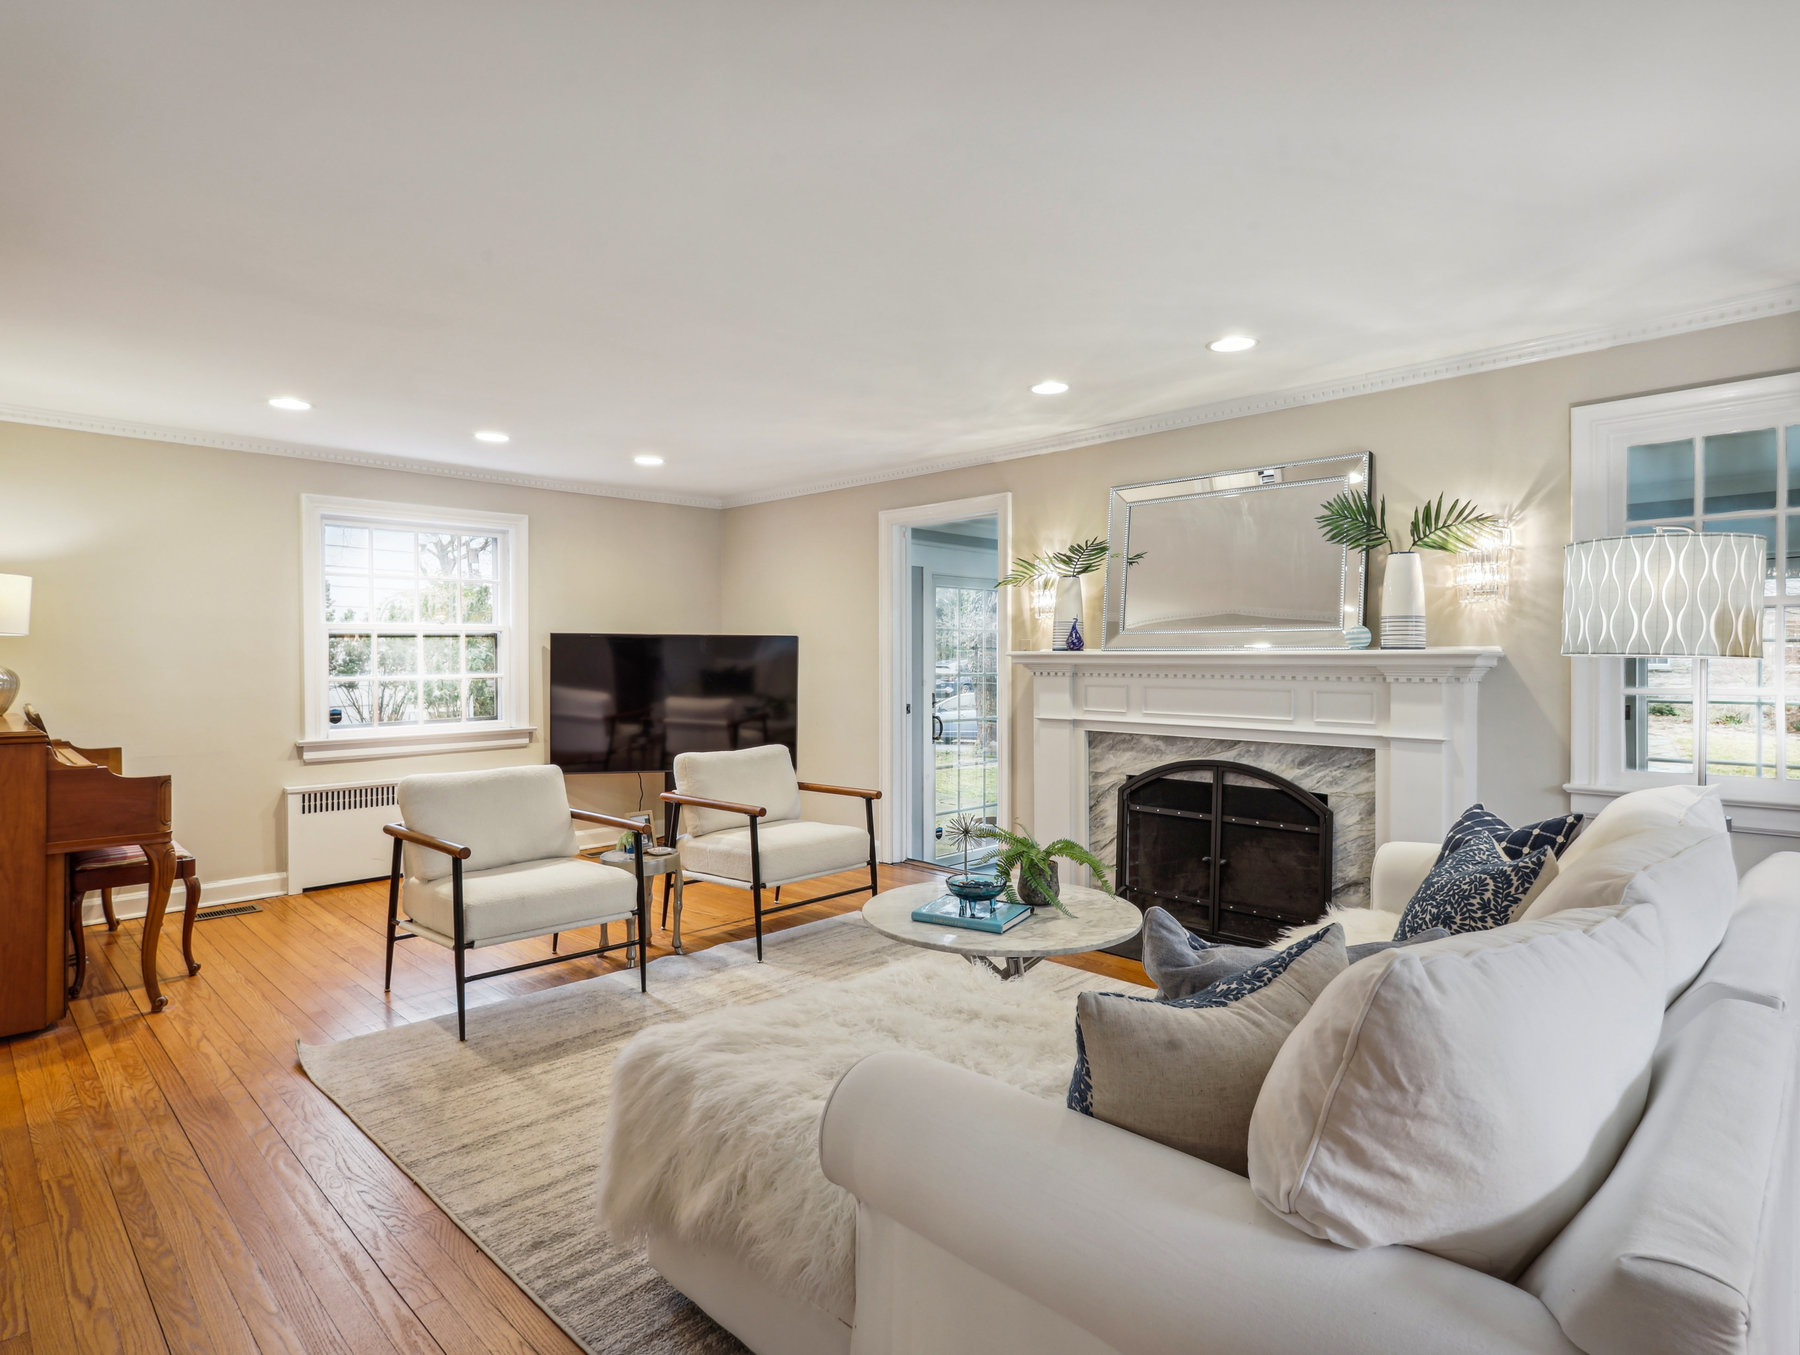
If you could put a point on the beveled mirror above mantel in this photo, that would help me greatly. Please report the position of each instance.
(1233, 560)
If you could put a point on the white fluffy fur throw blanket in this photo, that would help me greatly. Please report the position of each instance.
(713, 1137)
(1360, 925)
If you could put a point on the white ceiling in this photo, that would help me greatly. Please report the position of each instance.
(787, 244)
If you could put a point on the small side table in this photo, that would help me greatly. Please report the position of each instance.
(664, 861)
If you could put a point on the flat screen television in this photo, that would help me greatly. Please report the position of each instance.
(630, 703)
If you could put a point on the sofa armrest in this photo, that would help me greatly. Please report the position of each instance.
(1398, 871)
(1146, 1248)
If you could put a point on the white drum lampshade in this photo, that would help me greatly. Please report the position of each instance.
(15, 619)
(1666, 594)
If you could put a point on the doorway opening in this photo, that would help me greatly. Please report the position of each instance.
(945, 697)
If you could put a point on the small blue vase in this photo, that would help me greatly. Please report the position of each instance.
(1075, 639)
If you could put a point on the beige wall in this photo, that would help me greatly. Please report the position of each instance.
(166, 612)
(167, 606)
(808, 565)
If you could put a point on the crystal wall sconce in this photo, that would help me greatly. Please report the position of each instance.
(1484, 572)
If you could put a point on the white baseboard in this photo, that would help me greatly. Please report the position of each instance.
(132, 902)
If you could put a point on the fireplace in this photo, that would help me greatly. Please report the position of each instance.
(1235, 852)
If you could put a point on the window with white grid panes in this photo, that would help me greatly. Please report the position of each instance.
(416, 625)
(1749, 482)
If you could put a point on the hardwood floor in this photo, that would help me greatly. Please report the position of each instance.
(175, 1183)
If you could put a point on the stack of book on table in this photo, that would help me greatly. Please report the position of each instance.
(979, 915)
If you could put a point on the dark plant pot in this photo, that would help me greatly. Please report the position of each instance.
(1029, 893)
(974, 887)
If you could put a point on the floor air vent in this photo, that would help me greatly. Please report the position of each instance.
(226, 910)
(334, 833)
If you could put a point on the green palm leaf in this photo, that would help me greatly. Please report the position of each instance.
(1457, 527)
(1350, 520)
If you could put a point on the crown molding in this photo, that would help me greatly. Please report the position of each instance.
(1756, 306)
(124, 428)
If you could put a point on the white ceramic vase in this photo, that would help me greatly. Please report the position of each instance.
(1403, 602)
(1068, 627)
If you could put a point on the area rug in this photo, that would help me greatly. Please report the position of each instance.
(504, 1131)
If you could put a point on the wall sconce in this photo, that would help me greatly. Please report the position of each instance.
(1484, 572)
(1043, 599)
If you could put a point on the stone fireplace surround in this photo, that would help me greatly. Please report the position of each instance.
(1389, 735)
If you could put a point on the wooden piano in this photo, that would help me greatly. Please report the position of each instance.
(55, 800)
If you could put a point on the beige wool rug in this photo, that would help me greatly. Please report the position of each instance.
(504, 1132)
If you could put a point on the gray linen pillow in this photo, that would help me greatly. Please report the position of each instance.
(1180, 964)
(1186, 1073)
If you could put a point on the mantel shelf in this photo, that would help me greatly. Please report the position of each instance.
(1453, 663)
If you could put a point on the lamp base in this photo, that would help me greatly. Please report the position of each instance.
(9, 688)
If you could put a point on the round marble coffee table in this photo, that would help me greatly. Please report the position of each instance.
(1100, 920)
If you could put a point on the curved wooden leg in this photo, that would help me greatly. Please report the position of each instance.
(162, 877)
(187, 924)
(112, 918)
(79, 938)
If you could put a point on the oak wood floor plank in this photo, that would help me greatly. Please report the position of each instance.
(325, 1279)
(18, 1161)
(109, 1306)
(194, 1309)
(212, 1249)
(12, 1281)
(47, 1315)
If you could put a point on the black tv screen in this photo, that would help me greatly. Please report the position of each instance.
(630, 703)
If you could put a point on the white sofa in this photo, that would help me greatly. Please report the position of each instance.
(1084, 1239)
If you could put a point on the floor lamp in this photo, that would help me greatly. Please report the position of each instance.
(1671, 593)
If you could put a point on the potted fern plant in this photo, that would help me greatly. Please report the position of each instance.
(1030, 871)
(1353, 521)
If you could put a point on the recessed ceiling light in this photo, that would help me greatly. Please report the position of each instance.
(490, 435)
(1050, 388)
(293, 402)
(1232, 343)
(647, 459)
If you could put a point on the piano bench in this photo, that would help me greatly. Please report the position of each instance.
(110, 868)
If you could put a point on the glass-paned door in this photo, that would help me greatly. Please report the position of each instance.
(962, 754)
(1731, 482)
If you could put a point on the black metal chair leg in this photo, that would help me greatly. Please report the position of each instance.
(756, 885)
(387, 978)
(874, 878)
(756, 895)
(555, 937)
(462, 1024)
(668, 887)
(456, 927)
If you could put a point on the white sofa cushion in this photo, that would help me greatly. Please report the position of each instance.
(503, 815)
(526, 898)
(1661, 807)
(1662, 1260)
(746, 776)
(1466, 1096)
(796, 850)
(1186, 1071)
(1685, 871)
(1759, 959)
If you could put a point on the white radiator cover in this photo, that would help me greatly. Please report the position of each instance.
(334, 832)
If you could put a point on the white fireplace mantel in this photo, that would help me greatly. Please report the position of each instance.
(1416, 708)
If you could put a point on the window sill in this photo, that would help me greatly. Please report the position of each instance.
(414, 743)
(1766, 814)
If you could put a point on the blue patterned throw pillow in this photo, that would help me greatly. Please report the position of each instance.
(1515, 843)
(1221, 994)
(1471, 889)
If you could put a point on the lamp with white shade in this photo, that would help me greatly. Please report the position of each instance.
(1666, 594)
(15, 619)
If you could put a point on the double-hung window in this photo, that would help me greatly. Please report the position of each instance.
(1714, 459)
(416, 629)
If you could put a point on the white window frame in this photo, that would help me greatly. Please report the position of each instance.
(513, 729)
(1599, 436)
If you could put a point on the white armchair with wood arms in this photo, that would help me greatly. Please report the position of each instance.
(741, 811)
(515, 831)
